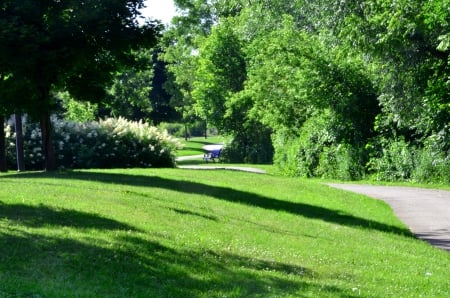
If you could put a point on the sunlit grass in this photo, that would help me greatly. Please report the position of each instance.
(182, 233)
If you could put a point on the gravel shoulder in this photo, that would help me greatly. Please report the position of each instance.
(425, 211)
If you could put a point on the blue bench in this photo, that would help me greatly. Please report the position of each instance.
(212, 152)
(212, 155)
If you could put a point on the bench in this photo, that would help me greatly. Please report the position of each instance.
(212, 152)
(212, 155)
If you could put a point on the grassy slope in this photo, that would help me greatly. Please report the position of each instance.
(184, 233)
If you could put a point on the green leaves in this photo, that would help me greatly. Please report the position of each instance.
(281, 64)
(220, 73)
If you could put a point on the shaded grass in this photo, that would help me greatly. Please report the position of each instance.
(179, 233)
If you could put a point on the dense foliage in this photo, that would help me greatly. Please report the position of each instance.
(334, 89)
(345, 89)
(75, 46)
(109, 143)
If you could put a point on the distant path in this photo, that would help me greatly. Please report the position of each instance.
(217, 166)
(425, 211)
(189, 157)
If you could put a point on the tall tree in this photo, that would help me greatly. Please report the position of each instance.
(3, 166)
(163, 109)
(70, 45)
(129, 95)
(406, 43)
(221, 72)
(180, 45)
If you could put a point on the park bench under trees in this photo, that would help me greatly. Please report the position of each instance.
(212, 152)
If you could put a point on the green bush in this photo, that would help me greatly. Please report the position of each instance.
(250, 146)
(433, 161)
(394, 161)
(318, 150)
(286, 153)
(174, 129)
(298, 153)
(432, 167)
(342, 162)
(397, 160)
(109, 143)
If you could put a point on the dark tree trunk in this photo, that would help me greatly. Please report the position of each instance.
(19, 142)
(3, 167)
(49, 152)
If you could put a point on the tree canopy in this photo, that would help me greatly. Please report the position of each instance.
(340, 85)
(74, 46)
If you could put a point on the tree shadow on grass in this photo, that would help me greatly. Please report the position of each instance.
(226, 194)
(38, 216)
(34, 265)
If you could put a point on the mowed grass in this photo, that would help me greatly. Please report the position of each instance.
(186, 233)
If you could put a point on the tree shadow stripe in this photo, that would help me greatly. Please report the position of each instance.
(225, 194)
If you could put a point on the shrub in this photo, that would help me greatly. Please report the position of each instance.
(250, 146)
(109, 143)
(286, 154)
(342, 162)
(318, 150)
(298, 153)
(174, 129)
(394, 162)
(433, 161)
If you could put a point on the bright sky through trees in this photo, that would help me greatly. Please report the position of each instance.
(162, 10)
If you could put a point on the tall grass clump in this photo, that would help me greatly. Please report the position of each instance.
(108, 143)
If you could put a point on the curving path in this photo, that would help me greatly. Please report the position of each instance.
(219, 167)
(216, 166)
(425, 211)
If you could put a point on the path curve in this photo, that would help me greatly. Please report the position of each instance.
(216, 166)
(425, 211)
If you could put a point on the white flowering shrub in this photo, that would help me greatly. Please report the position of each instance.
(109, 143)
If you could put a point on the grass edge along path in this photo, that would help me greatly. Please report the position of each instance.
(183, 233)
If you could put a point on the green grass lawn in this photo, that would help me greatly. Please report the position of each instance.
(187, 233)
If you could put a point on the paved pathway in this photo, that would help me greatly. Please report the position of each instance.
(189, 157)
(425, 211)
(216, 166)
(221, 167)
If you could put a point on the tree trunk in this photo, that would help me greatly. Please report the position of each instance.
(19, 142)
(3, 167)
(49, 152)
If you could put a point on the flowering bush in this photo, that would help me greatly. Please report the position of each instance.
(109, 143)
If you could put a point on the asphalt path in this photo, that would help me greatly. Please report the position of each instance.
(216, 166)
(219, 167)
(425, 211)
